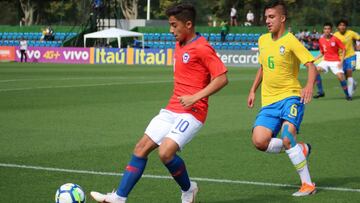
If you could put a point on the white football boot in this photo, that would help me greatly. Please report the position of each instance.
(189, 196)
(107, 198)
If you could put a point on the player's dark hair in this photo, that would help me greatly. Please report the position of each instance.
(275, 3)
(342, 21)
(328, 24)
(183, 12)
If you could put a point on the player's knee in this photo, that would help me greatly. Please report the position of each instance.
(165, 156)
(139, 150)
(144, 147)
(260, 144)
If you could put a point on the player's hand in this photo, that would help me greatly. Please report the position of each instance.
(306, 94)
(251, 99)
(187, 100)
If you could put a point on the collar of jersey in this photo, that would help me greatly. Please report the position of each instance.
(285, 33)
(193, 40)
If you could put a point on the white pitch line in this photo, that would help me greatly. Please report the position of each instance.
(212, 180)
(85, 85)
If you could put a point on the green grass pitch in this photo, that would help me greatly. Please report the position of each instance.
(89, 117)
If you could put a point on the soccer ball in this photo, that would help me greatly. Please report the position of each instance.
(70, 193)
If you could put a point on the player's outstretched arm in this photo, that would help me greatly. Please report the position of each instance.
(215, 85)
(307, 91)
(318, 56)
(255, 85)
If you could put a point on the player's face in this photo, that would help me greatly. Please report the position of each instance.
(179, 29)
(327, 30)
(342, 27)
(274, 19)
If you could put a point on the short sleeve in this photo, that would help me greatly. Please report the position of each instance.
(259, 48)
(211, 61)
(339, 43)
(300, 51)
(356, 36)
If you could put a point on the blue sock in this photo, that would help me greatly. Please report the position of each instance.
(132, 174)
(344, 87)
(178, 171)
(319, 84)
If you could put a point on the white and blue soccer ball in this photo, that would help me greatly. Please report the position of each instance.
(70, 193)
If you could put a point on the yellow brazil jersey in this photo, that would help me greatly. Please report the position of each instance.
(348, 40)
(280, 61)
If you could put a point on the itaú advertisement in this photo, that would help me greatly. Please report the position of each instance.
(56, 55)
(74, 55)
(132, 56)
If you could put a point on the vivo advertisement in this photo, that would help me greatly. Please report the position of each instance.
(55, 55)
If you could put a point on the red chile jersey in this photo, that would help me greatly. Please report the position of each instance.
(330, 48)
(195, 65)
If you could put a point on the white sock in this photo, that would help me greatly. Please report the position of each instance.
(299, 161)
(275, 146)
(350, 84)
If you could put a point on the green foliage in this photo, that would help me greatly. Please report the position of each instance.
(301, 12)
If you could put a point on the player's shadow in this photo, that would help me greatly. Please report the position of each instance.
(336, 181)
(336, 98)
(258, 198)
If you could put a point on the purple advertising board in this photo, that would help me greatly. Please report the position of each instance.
(56, 55)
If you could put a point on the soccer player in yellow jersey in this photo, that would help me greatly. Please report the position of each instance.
(347, 37)
(283, 99)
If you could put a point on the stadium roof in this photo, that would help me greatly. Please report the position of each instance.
(114, 33)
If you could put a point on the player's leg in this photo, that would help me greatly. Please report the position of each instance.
(349, 65)
(343, 84)
(266, 127)
(22, 55)
(339, 73)
(157, 129)
(320, 68)
(292, 115)
(132, 172)
(295, 152)
(174, 163)
(263, 140)
(136, 165)
(184, 129)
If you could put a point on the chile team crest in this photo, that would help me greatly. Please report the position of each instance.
(186, 57)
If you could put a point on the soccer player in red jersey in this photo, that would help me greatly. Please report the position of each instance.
(198, 73)
(329, 48)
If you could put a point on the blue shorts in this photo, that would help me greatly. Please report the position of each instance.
(272, 116)
(350, 63)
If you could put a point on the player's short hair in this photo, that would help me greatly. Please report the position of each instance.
(342, 21)
(183, 12)
(328, 24)
(275, 3)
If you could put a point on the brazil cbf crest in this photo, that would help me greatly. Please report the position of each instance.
(186, 57)
(282, 50)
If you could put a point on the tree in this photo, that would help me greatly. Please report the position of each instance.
(29, 7)
(129, 8)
